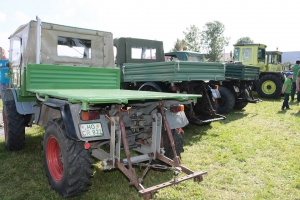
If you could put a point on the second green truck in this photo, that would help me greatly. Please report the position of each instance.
(223, 86)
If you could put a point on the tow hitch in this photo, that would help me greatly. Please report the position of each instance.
(174, 164)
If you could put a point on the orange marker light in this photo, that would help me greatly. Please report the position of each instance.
(89, 115)
(177, 108)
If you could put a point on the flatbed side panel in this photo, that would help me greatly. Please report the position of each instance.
(43, 76)
(111, 95)
(241, 72)
(173, 71)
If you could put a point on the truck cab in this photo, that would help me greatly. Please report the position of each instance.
(274, 60)
(271, 77)
(250, 54)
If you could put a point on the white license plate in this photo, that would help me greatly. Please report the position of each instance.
(91, 130)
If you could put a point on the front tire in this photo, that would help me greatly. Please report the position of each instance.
(269, 86)
(14, 127)
(67, 163)
(227, 100)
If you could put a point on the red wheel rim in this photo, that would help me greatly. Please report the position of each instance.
(53, 156)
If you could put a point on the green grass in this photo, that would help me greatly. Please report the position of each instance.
(253, 154)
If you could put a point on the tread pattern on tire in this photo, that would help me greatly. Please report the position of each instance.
(14, 127)
(77, 162)
(277, 82)
(228, 100)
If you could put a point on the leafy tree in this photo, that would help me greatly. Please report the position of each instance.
(179, 45)
(212, 36)
(192, 38)
(244, 40)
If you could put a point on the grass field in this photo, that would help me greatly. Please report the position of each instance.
(253, 154)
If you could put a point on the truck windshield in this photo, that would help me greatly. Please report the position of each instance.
(143, 53)
(73, 47)
(247, 55)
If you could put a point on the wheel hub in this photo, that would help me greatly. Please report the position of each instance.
(268, 87)
(54, 161)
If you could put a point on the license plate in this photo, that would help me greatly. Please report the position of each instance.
(91, 130)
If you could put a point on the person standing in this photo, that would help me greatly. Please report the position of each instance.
(295, 70)
(286, 90)
(4, 83)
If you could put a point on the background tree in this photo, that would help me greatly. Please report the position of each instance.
(178, 45)
(192, 38)
(212, 36)
(244, 40)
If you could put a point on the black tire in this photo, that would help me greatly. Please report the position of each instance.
(14, 127)
(178, 141)
(269, 86)
(152, 87)
(227, 100)
(67, 162)
(241, 105)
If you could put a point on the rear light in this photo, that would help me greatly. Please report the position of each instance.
(87, 145)
(89, 115)
(177, 108)
(180, 130)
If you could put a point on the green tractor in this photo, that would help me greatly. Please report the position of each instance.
(271, 78)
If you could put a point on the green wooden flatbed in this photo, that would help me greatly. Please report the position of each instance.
(118, 96)
(173, 71)
(80, 84)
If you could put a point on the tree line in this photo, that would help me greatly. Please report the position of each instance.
(210, 40)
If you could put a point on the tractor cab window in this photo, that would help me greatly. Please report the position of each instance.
(236, 54)
(279, 58)
(143, 53)
(271, 59)
(261, 54)
(73, 47)
(15, 52)
(247, 55)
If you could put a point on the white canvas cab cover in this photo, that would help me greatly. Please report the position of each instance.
(61, 45)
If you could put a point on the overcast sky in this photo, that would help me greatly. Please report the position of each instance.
(274, 23)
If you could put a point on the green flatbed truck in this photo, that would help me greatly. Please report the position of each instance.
(143, 67)
(236, 87)
(64, 79)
